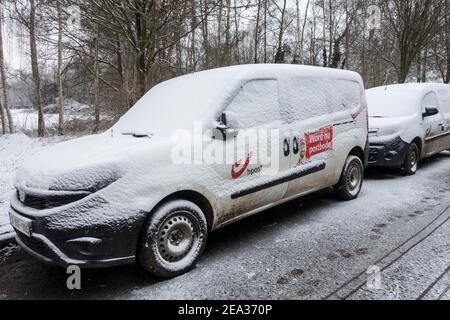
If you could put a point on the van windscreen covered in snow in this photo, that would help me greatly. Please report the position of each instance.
(178, 104)
(392, 102)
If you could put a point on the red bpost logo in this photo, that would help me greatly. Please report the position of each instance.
(429, 131)
(319, 141)
(238, 168)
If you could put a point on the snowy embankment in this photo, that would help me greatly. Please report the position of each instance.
(27, 119)
(14, 149)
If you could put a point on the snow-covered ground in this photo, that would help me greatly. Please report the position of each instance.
(27, 119)
(313, 248)
(14, 149)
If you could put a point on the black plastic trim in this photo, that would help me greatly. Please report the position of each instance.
(277, 182)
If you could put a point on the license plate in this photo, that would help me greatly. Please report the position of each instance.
(21, 224)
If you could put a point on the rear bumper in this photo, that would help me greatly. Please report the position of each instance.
(390, 154)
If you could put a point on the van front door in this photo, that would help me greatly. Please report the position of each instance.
(260, 152)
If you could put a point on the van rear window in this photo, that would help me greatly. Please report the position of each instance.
(306, 98)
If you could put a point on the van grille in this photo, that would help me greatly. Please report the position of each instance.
(50, 202)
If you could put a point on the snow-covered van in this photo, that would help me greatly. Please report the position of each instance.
(132, 194)
(408, 122)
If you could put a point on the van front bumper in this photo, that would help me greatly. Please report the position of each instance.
(389, 154)
(80, 235)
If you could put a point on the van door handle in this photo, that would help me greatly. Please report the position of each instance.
(287, 148)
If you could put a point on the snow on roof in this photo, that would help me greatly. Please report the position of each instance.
(399, 99)
(417, 89)
(197, 97)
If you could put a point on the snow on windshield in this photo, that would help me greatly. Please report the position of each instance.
(391, 101)
(178, 103)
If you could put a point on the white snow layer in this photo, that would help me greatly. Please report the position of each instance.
(178, 103)
(13, 150)
(399, 100)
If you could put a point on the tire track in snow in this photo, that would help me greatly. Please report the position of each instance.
(444, 293)
(353, 285)
(431, 286)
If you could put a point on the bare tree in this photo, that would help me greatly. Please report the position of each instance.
(279, 57)
(4, 82)
(413, 22)
(3, 118)
(59, 70)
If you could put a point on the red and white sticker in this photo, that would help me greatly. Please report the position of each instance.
(240, 167)
(319, 141)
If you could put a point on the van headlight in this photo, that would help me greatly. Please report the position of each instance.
(387, 131)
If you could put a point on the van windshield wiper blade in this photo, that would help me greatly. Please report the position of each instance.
(138, 134)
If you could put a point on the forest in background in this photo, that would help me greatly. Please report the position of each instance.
(106, 54)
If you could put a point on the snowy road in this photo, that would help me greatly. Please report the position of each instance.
(314, 248)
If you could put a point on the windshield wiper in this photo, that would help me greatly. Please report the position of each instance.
(138, 135)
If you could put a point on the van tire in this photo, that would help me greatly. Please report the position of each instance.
(411, 163)
(350, 184)
(173, 239)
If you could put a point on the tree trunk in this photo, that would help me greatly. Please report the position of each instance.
(123, 70)
(96, 82)
(59, 71)
(193, 58)
(279, 58)
(447, 37)
(205, 31)
(35, 70)
(3, 118)
(424, 63)
(266, 9)
(219, 51)
(256, 42)
(302, 38)
(228, 34)
(4, 82)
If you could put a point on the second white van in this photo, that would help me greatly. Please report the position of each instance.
(408, 122)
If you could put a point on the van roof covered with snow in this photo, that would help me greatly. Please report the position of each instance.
(400, 99)
(177, 103)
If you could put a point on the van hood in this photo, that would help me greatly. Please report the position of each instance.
(388, 126)
(87, 164)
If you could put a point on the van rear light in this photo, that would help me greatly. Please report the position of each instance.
(367, 118)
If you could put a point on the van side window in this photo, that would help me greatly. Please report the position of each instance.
(344, 95)
(444, 95)
(304, 98)
(430, 100)
(256, 104)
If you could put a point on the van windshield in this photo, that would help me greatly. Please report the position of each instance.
(391, 104)
(177, 104)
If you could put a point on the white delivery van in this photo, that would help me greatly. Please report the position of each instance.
(128, 195)
(408, 122)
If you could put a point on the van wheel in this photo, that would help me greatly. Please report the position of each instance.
(173, 239)
(350, 185)
(411, 163)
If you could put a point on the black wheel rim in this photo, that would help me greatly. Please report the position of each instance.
(354, 178)
(177, 237)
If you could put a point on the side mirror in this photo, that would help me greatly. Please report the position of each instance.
(224, 129)
(430, 111)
